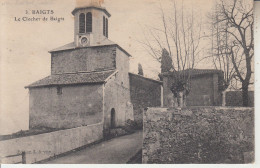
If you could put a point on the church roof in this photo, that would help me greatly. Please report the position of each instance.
(74, 79)
(105, 42)
(72, 45)
(92, 7)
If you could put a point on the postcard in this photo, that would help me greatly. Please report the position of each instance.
(127, 82)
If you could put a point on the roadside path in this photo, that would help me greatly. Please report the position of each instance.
(115, 151)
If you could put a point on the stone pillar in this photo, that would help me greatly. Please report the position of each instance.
(180, 99)
(162, 96)
(165, 93)
(224, 98)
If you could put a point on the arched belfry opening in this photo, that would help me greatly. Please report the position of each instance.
(91, 25)
(106, 28)
(113, 118)
(89, 22)
(82, 23)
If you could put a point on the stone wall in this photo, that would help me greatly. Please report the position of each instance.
(123, 85)
(76, 106)
(234, 98)
(199, 135)
(144, 93)
(117, 94)
(43, 146)
(116, 97)
(204, 91)
(83, 59)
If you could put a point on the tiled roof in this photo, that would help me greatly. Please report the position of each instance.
(195, 72)
(73, 46)
(74, 78)
(105, 42)
(139, 76)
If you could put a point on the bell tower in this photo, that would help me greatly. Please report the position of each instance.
(91, 23)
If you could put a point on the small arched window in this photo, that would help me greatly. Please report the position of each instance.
(82, 23)
(106, 27)
(89, 22)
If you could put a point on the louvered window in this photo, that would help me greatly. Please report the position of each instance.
(106, 27)
(82, 23)
(89, 22)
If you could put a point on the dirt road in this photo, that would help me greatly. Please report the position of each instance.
(115, 151)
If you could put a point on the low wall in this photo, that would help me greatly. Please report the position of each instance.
(198, 135)
(234, 98)
(44, 146)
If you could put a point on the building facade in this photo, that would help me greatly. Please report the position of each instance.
(89, 81)
(205, 87)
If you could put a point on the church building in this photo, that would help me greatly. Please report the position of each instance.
(90, 80)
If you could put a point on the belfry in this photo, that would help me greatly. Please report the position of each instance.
(91, 23)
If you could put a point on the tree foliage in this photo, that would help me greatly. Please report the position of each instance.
(140, 70)
(166, 62)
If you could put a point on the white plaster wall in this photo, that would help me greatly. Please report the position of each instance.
(44, 146)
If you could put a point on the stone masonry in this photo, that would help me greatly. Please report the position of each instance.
(198, 135)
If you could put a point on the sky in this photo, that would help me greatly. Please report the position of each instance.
(25, 45)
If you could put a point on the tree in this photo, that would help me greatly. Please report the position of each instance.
(238, 21)
(219, 53)
(166, 61)
(140, 70)
(179, 38)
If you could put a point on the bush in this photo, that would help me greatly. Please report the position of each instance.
(134, 125)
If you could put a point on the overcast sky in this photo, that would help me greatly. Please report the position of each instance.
(25, 45)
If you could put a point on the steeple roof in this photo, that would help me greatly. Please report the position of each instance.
(92, 7)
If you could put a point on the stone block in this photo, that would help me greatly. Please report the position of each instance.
(249, 157)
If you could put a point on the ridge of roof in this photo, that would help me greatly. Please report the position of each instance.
(96, 77)
(86, 72)
(72, 46)
(195, 72)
